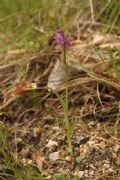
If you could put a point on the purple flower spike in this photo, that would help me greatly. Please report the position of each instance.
(62, 40)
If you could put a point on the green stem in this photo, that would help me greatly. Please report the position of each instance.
(68, 127)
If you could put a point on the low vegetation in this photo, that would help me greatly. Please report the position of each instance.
(39, 126)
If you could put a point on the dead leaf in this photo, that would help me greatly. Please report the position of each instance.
(38, 159)
(24, 86)
(104, 39)
(111, 45)
(16, 51)
(57, 76)
(97, 39)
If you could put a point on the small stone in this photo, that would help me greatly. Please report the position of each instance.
(91, 143)
(30, 161)
(85, 151)
(56, 128)
(48, 177)
(19, 140)
(114, 155)
(92, 123)
(86, 171)
(116, 148)
(98, 126)
(44, 173)
(102, 145)
(37, 132)
(92, 133)
(80, 174)
(51, 144)
(91, 172)
(110, 170)
(106, 166)
(68, 158)
(54, 156)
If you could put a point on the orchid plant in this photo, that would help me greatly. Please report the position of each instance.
(64, 42)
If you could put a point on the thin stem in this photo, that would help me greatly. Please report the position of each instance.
(68, 127)
(92, 11)
(66, 80)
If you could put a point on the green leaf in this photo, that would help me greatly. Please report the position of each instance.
(114, 64)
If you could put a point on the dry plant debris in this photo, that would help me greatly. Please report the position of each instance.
(36, 115)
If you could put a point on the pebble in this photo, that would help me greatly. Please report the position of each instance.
(98, 126)
(92, 133)
(54, 156)
(91, 143)
(68, 158)
(86, 171)
(80, 174)
(91, 172)
(92, 123)
(114, 155)
(116, 148)
(30, 161)
(37, 132)
(83, 150)
(44, 173)
(56, 128)
(106, 166)
(51, 144)
(111, 170)
(49, 177)
(19, 140)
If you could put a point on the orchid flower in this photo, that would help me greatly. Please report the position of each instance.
(62, 40)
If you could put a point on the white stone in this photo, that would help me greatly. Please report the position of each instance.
(68, 158)
(91, 172)
(80, 174)
(54, 156)
(116, 148)
(48, 177)
(51, 144)
(91, 143)
(56, 128)
(92, 123)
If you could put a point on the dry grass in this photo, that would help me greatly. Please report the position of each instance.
(31, 118)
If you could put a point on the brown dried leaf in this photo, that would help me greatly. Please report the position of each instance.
(24, 86)
(38, 159)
